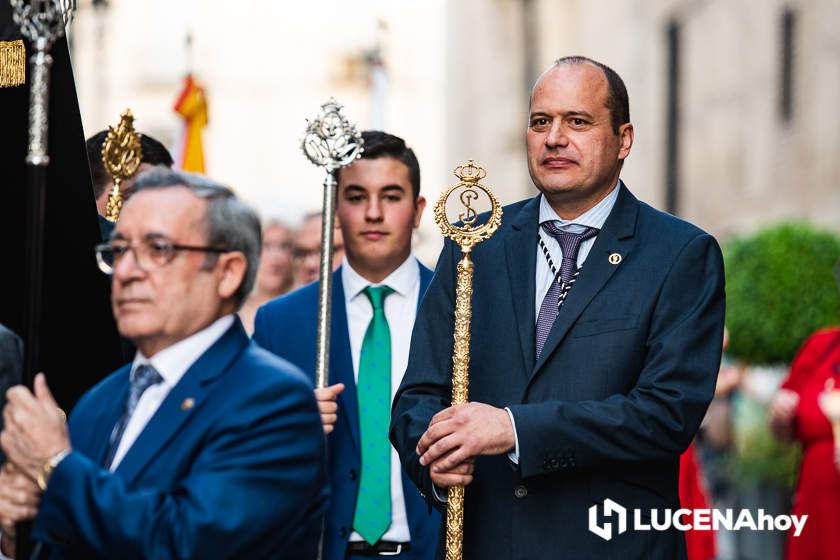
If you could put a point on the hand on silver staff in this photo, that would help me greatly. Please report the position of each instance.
(327, 398)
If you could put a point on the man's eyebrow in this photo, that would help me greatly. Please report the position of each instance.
(567, 114)
(154, 235)
(578, 113)
(393, 187)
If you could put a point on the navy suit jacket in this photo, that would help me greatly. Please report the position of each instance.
(239, 474)
(617, 394)
(288, 327)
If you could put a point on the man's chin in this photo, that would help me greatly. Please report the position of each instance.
(133, 328)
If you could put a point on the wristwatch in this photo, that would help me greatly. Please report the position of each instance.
(48, 467)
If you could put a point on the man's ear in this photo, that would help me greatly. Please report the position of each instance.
(419, 206)
(232, 268)
(625, 136)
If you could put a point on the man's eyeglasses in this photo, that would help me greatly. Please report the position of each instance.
(148, 254)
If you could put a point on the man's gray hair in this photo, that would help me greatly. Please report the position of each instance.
(231, 223)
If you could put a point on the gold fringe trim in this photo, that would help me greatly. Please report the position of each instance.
(12, 63)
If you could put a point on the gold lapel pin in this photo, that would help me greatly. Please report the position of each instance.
(188, 403)
(615, 258)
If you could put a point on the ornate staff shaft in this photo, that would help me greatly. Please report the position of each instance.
(41, 22)
(467, 234)
(331, 142)
(460, 394)
(322, 353)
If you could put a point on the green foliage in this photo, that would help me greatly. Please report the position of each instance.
(759, 456)
(780, 288)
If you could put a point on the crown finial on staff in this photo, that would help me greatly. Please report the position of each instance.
(466, 232)
(331, 141)
(121, 156)
(43, 21)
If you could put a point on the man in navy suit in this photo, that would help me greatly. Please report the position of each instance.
(206, 446)
(374, 509)
(596, 338)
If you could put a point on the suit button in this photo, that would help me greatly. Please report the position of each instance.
(342, 533)
(520, 491)
(352, 474)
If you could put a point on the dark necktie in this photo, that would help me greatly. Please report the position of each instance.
(373, 503)
(563, 280)
(144, 377)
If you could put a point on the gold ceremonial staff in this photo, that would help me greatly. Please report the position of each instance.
(121, 155)
(466, 234)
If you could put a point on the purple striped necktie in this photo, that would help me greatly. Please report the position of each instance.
(560, 285)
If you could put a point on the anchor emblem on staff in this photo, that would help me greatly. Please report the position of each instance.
(466, 232)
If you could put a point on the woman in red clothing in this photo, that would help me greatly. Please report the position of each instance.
(795, 413)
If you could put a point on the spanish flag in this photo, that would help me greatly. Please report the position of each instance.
(192, 106)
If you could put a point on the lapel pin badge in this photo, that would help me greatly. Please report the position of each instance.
(188, 403)
(615, 258)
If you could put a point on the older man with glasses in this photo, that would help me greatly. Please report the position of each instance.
(205, 446)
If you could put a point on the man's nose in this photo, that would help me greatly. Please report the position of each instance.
(556, 136)
(126, 267)
(374, 210)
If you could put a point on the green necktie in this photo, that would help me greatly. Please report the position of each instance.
(373, 505)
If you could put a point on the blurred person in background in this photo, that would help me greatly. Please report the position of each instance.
(795, 414)
(152, 153)
(701, 474)
(275, 274)
(308, 249)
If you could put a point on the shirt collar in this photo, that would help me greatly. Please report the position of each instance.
(173, 361)
(402, 280)
(594, 217)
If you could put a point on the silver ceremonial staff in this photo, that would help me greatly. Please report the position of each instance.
(42, 23)
(331, 142)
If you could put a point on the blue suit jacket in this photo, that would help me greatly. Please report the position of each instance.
(617, 394)
(240, 474)
(288, 327)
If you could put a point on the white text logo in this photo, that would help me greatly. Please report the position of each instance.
(690, 520)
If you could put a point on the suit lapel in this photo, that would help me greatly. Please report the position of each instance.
(425, 279)
(195, 384)
(522, 237)
(341, 360)
(614, 237)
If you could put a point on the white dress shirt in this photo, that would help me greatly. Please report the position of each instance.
(594, 217)
(400, 312)
(171, 363)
